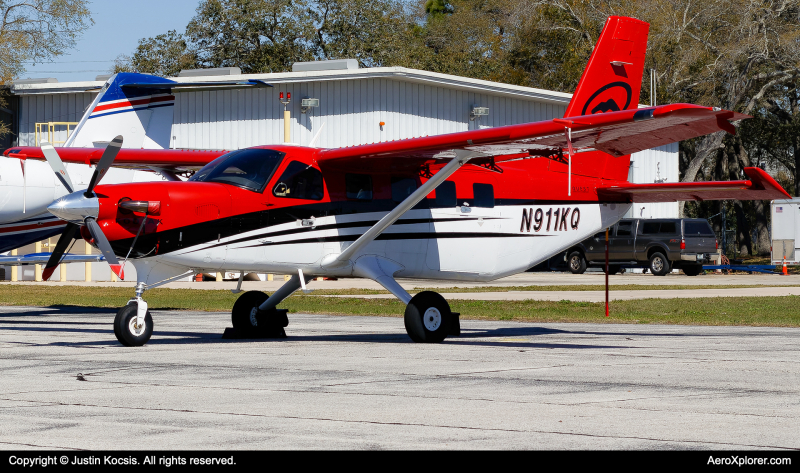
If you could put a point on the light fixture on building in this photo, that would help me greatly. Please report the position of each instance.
(307, 104)
(288, 99)
(478, 112)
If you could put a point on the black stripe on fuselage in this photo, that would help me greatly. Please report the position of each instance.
(395, 236)
(169, 241)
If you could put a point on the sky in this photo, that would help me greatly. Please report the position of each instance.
(116, 30)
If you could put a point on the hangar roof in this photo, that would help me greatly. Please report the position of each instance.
(394, 73)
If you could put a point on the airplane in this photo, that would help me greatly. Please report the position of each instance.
(142, 105)
(473, 206)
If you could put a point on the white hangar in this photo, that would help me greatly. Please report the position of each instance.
(353, 106)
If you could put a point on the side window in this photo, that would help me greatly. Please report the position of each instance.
(484, 195)
(650, 228)
(445, 195)
(299, 181)
(358, 186)
(624, 228)
(668, 227)
(402, 187)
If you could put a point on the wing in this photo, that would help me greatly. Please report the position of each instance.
(42, 258)
(616, 133)
(760, 186)
(168, 159)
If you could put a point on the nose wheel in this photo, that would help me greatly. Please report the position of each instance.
(127, 329)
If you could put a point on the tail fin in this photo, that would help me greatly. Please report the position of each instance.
(143, 114)
(613, 78)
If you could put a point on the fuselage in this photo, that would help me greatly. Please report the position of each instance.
(285, 213)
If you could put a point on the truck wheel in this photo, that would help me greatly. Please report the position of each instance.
(659, 264)
(577, 263)
(693, 269)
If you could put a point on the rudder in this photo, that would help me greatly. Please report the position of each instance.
(612, 79)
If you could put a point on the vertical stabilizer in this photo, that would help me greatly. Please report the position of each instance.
(612, 79)
(143, 115)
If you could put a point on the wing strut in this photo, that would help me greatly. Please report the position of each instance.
(462, 156)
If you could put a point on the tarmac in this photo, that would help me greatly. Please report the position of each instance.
(360, 383)
(762, 285)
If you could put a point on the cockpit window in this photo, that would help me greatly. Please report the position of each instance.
(246, 168)
(299, 181)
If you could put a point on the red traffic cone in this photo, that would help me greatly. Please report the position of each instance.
(785, 271)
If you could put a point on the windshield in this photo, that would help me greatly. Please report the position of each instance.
(246, 168)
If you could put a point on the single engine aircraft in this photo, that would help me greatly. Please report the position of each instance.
(472, 206)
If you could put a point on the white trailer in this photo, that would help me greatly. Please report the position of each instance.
(786, 230)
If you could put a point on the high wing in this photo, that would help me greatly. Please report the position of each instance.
(760, 186)
(167, 159)
(616, 133)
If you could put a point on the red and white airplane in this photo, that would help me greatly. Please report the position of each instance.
(476, 205)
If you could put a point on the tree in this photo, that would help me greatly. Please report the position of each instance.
(164, 55)
(37, 30)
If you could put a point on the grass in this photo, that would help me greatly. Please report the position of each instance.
(750, 311)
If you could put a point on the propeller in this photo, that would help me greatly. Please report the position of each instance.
(80, 208)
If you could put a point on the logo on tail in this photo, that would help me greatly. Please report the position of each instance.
(611, 97)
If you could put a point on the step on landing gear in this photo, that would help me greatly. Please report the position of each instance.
(428, 318)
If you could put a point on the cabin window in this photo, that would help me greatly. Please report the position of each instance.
(249, 169)
(299, 181)
(358, 186)
(402, 187)
(484, 195)
(445, 195)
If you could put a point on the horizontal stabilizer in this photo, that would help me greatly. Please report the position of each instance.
(760, 186)
(190, 86)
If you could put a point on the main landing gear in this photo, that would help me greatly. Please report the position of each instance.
(428, 318)
(255, 314)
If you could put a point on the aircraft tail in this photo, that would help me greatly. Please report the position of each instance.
(143, 114)
(612, 79)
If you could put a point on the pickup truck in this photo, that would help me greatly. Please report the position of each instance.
(659, 245)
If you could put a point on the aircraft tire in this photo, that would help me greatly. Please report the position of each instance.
(428, 318)
(659, 264)
(124, 328)
(242, 310)
(577, 263)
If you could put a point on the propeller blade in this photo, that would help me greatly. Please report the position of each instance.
(54, 160)
(105, 162)
(104, 245)
(58, 252)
